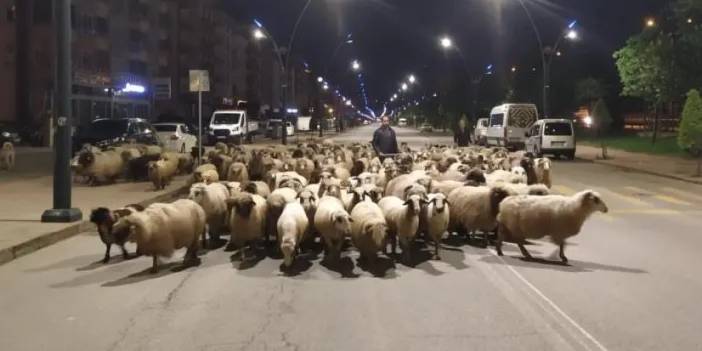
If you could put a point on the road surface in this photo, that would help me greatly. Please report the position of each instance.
(633, 284)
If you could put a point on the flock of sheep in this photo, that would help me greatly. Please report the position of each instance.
(290, 196)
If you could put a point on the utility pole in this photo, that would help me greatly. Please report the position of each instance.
(62, 211)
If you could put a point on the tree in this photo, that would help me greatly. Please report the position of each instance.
(588, 91)
(602, 121)
(690, 133)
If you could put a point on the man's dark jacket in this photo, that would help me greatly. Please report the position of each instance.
(462, 136)
(384, 141)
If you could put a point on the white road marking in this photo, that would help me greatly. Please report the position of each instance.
(553, 305)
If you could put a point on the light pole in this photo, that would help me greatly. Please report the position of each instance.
(62, 211)
(262, 33)
(547, 55)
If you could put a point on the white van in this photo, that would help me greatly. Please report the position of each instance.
(402, 122)
(231, 125)
(552, 136)
(509, 123)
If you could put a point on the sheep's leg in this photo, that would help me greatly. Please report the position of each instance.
(406, 250)
(500, 236)
(107, 253)
(437, 245)
(524, 251)
(154, 265)
(204, 239)
(562, 253)
(243, 252)
(125, 253)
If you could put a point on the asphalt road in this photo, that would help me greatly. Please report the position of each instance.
(633, 284)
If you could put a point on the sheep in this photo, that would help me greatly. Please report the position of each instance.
(222, 162)
(291, 227)
(500, 177)
(556, 216)
(198, 172)
(185, 163)
(233, 187)
(210, 176)
(222, 148)
(276, 202)
(519, 175)
(436, 220)
(160, 173)
(237, 172)
(101, 167)
(368, 231)
(402, 217)
(257, 187)
(523, 189)
(305, 167)
(247, 219)
(105, 219)
(333, 224)
(542, 169)
(475, 208)
(213, 199)
(7, 156)
(445, 187)
(283, 176)
(528, 165)
(138, 168)
(161, 229)
(398, 186)
(309, 199)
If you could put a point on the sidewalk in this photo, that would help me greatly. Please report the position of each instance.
(23, 200)
(662, 166)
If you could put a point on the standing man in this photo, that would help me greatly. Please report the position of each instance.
(462, 136)
(384, 140)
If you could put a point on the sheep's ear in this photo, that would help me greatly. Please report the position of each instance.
(350, 219)
(446, 202)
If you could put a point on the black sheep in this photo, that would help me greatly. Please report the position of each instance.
(105, 219)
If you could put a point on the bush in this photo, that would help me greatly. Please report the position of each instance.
(690, 133)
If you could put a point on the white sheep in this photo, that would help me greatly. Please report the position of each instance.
(333, 223)
(161, 173)
(237, 172)
(185, 163)
(291, 227)
(402, 217)
(247, 219)
(519, 175)
(200, 171)
(556, 216)
(445, 187)
(542, 167)
(101, 167)
(368, 231)
(276, 202)
(213, 199)
(436, 219)
(161, 229)
(7, 156)
(475, 208)
(399, 185)
(499, 176)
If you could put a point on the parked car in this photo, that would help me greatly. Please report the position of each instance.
(509, 123)
(9, 133)
(552, 136)
(107, 132)
(426, 127)
(176, 137)
(402, 122)
(480, 132)
(273, 128)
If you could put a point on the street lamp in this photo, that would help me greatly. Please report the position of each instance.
(405, 87)
(355, 65)
(572, 34)
(320, 79)
(258, 34)
(650, 22)
(412, 79)
(446, 42)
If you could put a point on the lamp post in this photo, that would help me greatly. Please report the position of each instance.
(547, 55)
(62, 211)
(261, 33)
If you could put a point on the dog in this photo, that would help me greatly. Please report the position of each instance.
(7, 156)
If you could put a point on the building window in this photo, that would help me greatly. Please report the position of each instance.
(11, 13)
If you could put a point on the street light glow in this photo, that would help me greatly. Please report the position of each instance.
(446, 42)
(258, 34)
(650, 22)
(572, 24)
(258, 23)
(325, 87)
(572, 34)
(412, 79)
(355, 65)
(405, 87)
(514, 69)
(558, 53)
(331, 110)
(348, 102)
(320, 79)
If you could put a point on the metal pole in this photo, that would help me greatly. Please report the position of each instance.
(62, 211)
(284, 111)
(547, 86)
(199, 124)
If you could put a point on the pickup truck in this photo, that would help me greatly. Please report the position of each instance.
(231, 126)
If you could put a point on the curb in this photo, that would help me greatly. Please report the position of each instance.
(644, 171)
(40, 242)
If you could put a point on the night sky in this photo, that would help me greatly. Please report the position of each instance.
(397, 37)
